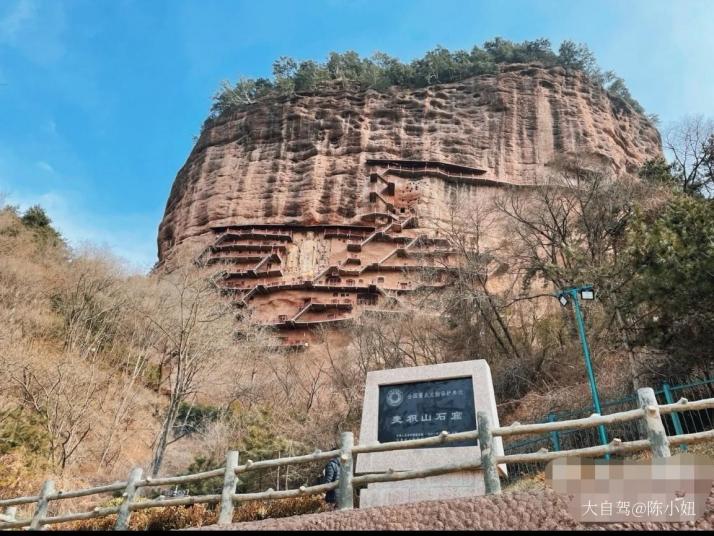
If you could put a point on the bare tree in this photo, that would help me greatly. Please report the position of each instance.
(65, 395)
(124, 389)
(247, 381)
(690, 143)
(192, 328)
(471, 228)
(89, 300)
(571, 229)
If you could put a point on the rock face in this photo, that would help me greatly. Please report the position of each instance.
(302, 159)
(334, 188)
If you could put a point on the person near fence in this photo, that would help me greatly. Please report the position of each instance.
(331, 473)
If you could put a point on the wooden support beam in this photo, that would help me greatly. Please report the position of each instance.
(122, 522)
(229, 488)
(345, 492)
(656, 433)
(488, 456)
(396, 476)
(316, 456)
(48, 488)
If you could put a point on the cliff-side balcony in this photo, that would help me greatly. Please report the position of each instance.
(283, 236)
(252, 274)
(231, 259)
(331, 319)
(431, 253)
(345, 235)
(270, 248)
(395, 163)
(242, 256)
(243, 234)
(319, 307)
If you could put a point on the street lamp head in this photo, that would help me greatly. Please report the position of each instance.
(587, 294)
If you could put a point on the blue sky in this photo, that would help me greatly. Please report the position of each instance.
(100, 99)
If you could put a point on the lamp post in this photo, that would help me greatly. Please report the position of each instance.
(586, 293)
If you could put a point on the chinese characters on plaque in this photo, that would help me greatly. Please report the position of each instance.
(425, 409)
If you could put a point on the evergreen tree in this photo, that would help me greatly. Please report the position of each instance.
(437, 66)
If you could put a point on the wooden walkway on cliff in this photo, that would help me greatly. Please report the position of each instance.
(443, 170)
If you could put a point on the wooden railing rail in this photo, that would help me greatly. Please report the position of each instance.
(649, 414)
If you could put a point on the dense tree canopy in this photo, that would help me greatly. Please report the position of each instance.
(438, 66)
(672, 259)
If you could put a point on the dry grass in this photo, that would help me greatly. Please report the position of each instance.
(178, 517)
(21, 473)
(535, 482)
(707, 449)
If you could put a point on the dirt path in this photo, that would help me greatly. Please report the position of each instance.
(540, 510)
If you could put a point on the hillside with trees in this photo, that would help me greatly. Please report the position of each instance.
(103, 370)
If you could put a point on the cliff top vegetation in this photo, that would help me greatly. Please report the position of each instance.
(438, 66)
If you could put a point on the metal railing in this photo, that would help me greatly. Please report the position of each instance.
(679, 423)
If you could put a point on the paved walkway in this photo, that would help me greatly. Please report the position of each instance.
(538, 510)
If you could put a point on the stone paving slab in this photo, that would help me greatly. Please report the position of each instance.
(525, 510)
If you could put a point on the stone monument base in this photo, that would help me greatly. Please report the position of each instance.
(432, 488)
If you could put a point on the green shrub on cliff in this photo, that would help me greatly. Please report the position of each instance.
(36, 219)
(438, 66)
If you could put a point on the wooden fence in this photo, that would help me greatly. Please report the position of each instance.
(649, 414)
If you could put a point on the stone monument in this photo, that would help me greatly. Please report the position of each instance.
(419, 402)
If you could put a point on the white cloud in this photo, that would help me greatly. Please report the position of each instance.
(44, 166)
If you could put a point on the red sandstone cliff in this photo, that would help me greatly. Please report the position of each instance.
(302, 159)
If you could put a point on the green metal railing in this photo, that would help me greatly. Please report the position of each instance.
(675, 424)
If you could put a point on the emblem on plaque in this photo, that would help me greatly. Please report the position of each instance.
(394, 397)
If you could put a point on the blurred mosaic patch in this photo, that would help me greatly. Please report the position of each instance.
(671, 489)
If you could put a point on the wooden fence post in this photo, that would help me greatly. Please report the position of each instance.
(345, 493)
(656, 433)
(122, 522)
(488, 457)
(229, 488)
(48, 488)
